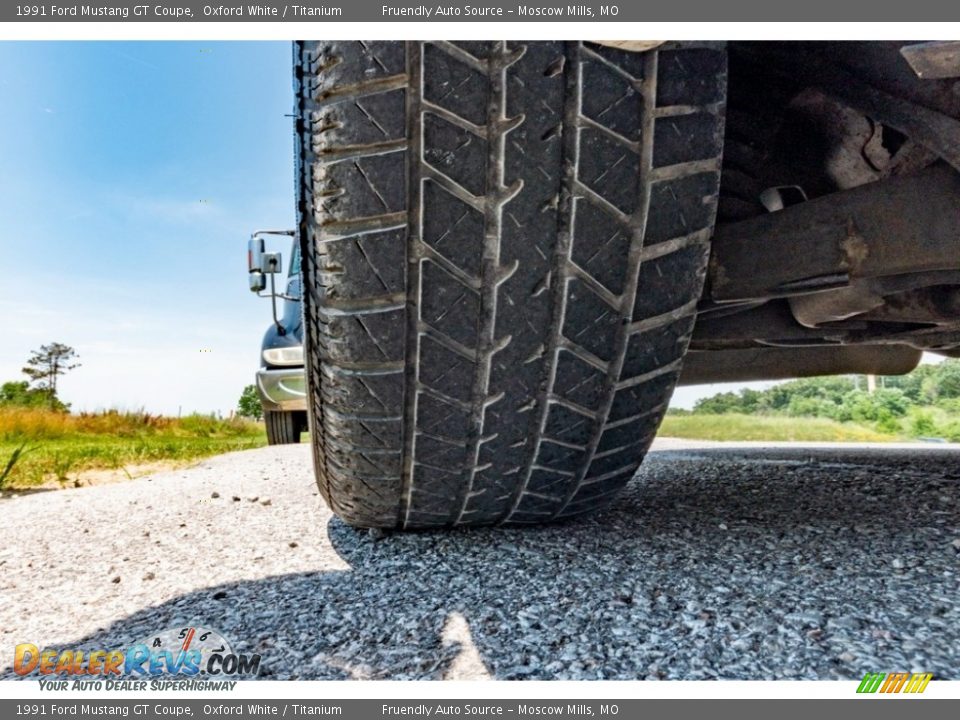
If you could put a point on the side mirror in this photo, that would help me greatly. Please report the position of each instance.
(261, 263)
(259, 260)
(256, 247)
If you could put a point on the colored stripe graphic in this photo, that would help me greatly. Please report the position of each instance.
(918, 682)
(894, 682)
(871, 682)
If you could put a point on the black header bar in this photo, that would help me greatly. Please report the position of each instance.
(486, 11)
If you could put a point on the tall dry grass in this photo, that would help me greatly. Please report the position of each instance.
(18, 424)
(37, 446)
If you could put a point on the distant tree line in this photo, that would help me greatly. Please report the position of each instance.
(923, 402)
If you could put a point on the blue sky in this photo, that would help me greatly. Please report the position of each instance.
(132, 174)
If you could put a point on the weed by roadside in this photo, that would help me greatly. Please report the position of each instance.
(11, 463)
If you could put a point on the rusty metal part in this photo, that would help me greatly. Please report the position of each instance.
(865, 78)
(781, 363)
(929, 325)
(881, 64)
(833, 306)
(908, 224)
(769, 324)
(930, 298)
(938, 132)
(852, 147)
(937, 306)
(933, 60)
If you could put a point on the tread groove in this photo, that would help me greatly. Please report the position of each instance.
(414, 64)
(638, 225)
(570, 140)
(492, 274)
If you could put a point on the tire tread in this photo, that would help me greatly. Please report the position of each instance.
(512, 270)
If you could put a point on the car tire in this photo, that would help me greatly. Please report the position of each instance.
(504, 245)
(283, 428)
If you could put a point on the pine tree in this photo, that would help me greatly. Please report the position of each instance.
(46, 365)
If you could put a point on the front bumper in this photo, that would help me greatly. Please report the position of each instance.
(283, 389)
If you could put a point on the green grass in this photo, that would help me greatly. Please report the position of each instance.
(61, 448)
(732, 426)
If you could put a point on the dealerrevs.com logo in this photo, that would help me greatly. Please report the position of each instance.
(176, 658)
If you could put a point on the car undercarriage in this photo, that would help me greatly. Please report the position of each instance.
(837, 246)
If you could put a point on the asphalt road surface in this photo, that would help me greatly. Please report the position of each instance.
(718, 562)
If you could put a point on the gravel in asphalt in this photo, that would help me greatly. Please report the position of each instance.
(718, 561)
